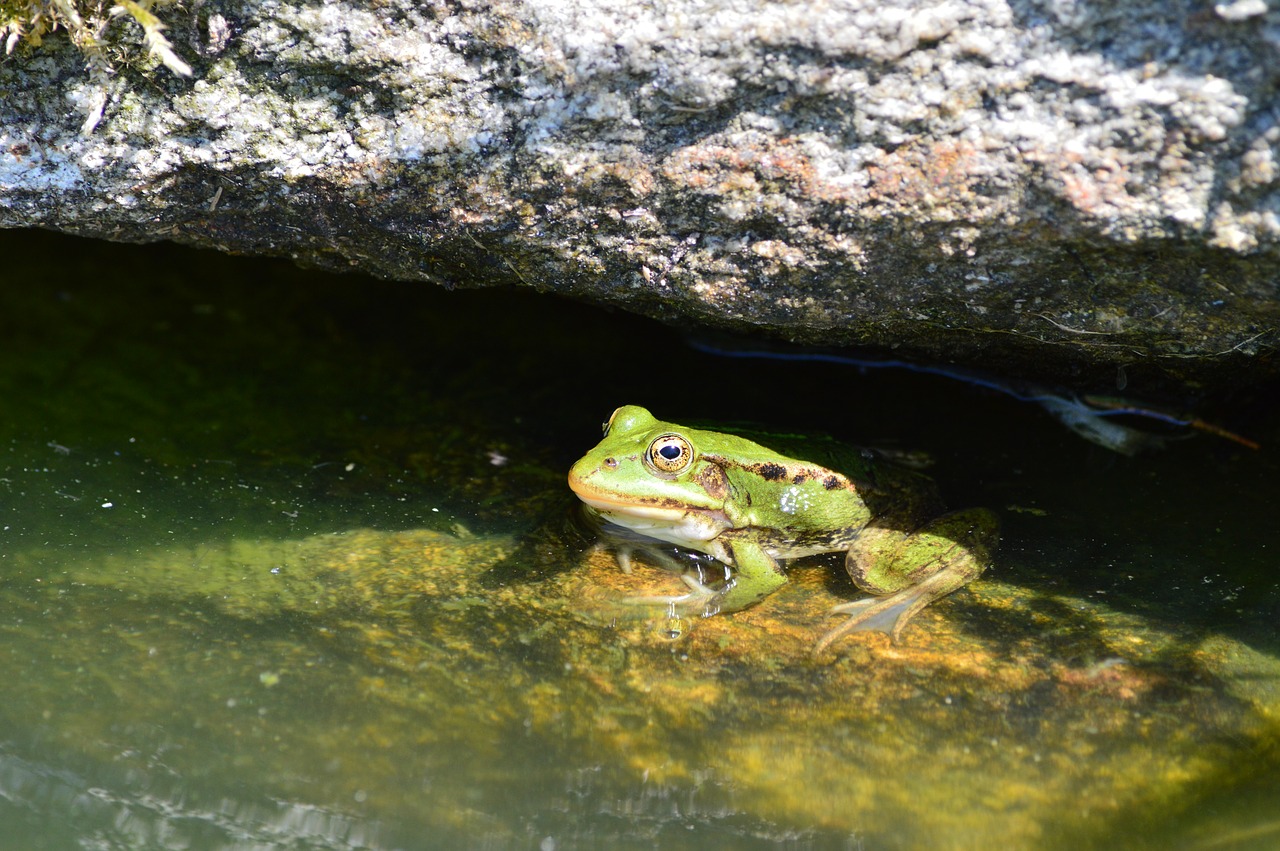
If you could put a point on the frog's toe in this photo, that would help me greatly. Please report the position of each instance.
(876, 614)
(698, 599)
(621, 555)
(889, 614)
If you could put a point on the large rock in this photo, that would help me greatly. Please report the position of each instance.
(1064, 182)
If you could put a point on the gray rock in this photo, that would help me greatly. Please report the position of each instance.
(1056, 183)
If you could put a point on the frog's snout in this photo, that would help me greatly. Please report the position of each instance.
(580, 472)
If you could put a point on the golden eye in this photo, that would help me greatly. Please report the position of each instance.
(670, 453)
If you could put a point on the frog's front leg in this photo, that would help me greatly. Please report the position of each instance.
(756, 574)
(908, 571)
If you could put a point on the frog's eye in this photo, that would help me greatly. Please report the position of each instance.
(670, 453)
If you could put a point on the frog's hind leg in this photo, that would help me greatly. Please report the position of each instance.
(910, 571)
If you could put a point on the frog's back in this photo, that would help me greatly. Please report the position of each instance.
(869, 470)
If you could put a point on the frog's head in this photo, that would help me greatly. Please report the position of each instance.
(649, 476)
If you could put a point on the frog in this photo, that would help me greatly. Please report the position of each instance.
(753, 507)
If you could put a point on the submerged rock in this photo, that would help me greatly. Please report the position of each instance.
(998, 183)
(400, 682)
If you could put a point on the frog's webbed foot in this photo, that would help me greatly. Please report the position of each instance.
(889, 614)
(910, 571)
(692, 567)
(699, 599)
(668, 557)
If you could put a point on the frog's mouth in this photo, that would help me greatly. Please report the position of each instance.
(679, 525)
(659, 513)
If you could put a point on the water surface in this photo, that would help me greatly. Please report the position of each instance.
(283, 563)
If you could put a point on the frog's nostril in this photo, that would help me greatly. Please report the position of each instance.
(611, 463)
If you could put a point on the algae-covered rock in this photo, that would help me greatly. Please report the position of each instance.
(476, 687)
(1009, 183)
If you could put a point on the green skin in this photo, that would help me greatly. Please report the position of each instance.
(750, 507)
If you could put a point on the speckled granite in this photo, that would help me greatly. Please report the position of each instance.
(1022, 184)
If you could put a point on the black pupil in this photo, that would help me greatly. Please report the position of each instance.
(671, 452)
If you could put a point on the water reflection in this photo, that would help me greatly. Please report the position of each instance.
(129, 812)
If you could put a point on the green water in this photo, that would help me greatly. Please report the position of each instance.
(283, 564)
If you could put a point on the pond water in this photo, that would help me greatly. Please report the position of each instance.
(284, 562)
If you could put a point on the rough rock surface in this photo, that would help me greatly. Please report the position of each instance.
(973, 179)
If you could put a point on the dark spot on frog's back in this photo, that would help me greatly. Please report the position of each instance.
(831, 482)
(799, 479)
(771, 472)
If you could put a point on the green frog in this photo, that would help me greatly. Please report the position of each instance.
(750, 507)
